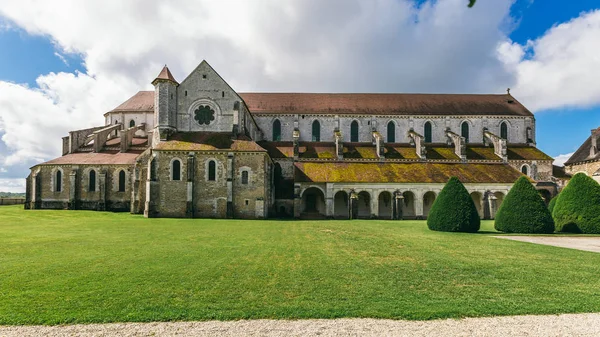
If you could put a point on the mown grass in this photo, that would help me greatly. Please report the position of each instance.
(61, 267)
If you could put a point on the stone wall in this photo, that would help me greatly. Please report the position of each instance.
(126, 117)
(517, 126)
(210, 198)
(75, 188)
(588, 168)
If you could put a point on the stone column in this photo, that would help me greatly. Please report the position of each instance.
(73, 189)
(374, 205)
(419, 205)
(297, 202)
(102, 189)
(230, 171)
(329, 204)
(189, 207)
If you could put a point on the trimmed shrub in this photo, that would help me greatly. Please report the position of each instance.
(551, 204)
(524, 211)
(577, 208)
(453, 210)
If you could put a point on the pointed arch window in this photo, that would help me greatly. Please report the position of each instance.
(58, 186)
(525, 170)
(427, 132)
(276, 130)
(503, 130)
(212, 170)
(244, 177)
(464, 131)
(121, 181)
(176, 170)
(316, 131)
(391, 132)
(92, 181)
(131, 123)
(354, 131)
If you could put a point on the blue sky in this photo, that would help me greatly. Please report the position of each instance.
(85, 67)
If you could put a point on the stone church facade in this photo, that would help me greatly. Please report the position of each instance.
(200, 149)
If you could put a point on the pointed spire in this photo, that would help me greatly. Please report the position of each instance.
(165, 75)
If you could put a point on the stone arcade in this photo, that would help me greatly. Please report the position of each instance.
(200, 149)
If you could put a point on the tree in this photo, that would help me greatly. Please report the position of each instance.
(472, 3)
(552, 203)
(524, 211)
(453, 210)
(577, 207)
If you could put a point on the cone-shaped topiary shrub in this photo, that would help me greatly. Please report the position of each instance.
(577, 208)
(524, 211)
(551, 204)
(453, 210)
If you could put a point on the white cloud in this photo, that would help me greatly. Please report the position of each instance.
(559, 69)
(271, 45)
(562, 158)
(12, 185)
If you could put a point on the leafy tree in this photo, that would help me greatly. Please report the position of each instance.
(472, 3)
(577, 207)
(453, 210)
(552, 203)
(524, 211)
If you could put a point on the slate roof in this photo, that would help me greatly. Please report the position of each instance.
(208, 141)
(143, 101)
(384, 104)
(583, 153)
(337, 172)
(91, 158)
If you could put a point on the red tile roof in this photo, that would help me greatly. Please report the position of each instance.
(143, 101)
(384, 104)
(90, 158)
(165, 74)
(370, 104)
(208, 141)
(334, 172)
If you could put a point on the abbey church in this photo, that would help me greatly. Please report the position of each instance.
(199, 149)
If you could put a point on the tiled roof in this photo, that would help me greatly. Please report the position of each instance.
(165, 74)
(208, 141)
(337, 172)
(583, 153)
(369, 104)
(101, 158)
(143, 101)
(384, 104)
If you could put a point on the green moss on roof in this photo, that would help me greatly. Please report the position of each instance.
(441, 153)
(207, 141)
(481, 153)
(400, 152)
(404, 172)
(526, 153)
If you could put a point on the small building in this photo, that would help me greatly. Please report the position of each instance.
(587, 157)
(200, 149)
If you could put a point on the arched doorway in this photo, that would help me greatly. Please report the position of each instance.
(340, 205)
(408, 205)
(477, 200)
(364, 205)
(313, 203)
(385, 205)
(428, 199)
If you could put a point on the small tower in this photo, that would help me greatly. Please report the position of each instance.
(165, 104)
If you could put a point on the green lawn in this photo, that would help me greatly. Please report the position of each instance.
(78, 267)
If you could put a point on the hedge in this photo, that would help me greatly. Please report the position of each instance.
(524, 211)
(453, 210)
(577, 207)
(551, 204)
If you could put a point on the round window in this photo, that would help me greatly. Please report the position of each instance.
(204, 115)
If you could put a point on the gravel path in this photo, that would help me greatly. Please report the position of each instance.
(590, 244)
(550, 325)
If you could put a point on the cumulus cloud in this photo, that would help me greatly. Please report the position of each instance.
(261, 45)
(559, 69)
(562, 158)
